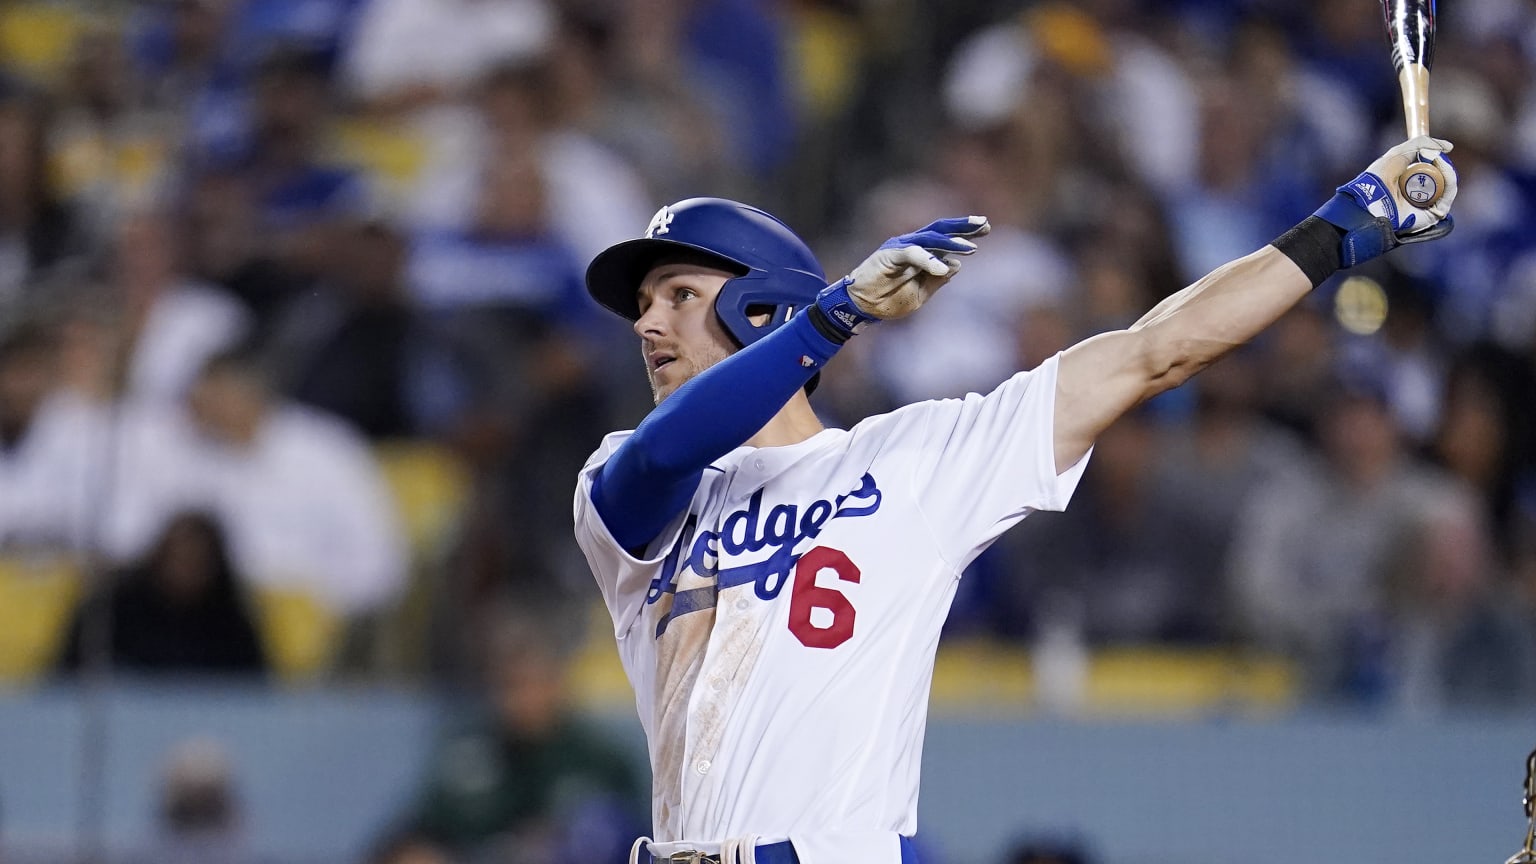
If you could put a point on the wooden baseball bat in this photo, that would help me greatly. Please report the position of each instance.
(1411, 31)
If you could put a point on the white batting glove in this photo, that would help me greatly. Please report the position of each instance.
(902, 274)
(1374, 212)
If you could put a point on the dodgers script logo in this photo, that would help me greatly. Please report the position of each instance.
(749, 530)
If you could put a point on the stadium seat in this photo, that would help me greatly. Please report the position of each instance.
(37, 596)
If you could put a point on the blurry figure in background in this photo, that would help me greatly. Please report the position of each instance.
(1404, 353)
(35, 438)
(38, 230)
(408, 54)
(109, 152)
(283, 161)
(1487, 433)
(655, 114)
(1487, 439)
(406, 847)
(225, 245)
(525, 781)
(172, 324)
(1124, 87)
(518, 115)
(1296, 364)
(1132, 568)
(1234, 202)
(179, 612)
(1317, 119)
(1342, 566)
(1209, 468)
(200, 819)
(507, 289)
(176, 48)
(1493, 236)
(358, 350)
(1044, 851)
(298, 491)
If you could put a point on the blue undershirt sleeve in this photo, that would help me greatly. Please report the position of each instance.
(653, 474)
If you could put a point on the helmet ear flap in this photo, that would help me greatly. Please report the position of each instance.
(743, 301)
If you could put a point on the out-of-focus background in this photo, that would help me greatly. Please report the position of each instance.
(296, 372)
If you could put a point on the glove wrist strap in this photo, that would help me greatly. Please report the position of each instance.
(839, 312)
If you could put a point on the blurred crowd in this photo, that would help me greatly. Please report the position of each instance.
(275, 272)
(297, 370)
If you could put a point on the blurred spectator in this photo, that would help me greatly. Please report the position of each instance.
(37, 229)
(408, 53)
(225, 245)
(172, 323)
(1404, 353)
(1141, 570)
(1340, 566)
(508, 289)
(654, 113)
(1045, 851)
(1487, 434)
(1296, 365)
(734, 57)
(1234, 204)
(525, 781)
(109, 154)
(359, 351)
(200, 820)
(282, 156)
(1143, 101)
(591, 197)
(298, 491)
(50, 436)
(1492, 220)
(406, 847)
(26, 377)
(180, 611)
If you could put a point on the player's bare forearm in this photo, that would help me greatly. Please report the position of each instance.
(1103, 377)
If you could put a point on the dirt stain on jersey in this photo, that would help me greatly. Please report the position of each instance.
(679, 656)
(731, 657)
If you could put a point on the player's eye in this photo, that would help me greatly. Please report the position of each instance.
(684, 293)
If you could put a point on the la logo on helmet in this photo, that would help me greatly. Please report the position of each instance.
(660, 223)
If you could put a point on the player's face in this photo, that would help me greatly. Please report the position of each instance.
(679, 333)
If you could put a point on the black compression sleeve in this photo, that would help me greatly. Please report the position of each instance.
(1314, 246)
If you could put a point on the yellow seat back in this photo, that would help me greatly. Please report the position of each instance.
(430, 488)
(301, 636)
(37, 600)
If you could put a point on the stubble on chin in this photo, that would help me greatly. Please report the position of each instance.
(694, 368)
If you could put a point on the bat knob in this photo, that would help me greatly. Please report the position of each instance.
(1422, 184)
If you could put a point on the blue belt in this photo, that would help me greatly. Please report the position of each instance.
(782, 852)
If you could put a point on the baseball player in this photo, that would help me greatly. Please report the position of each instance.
(777, 588)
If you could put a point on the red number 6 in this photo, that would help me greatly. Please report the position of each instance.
(807, 595)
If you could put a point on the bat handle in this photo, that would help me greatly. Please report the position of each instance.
(1422, 183)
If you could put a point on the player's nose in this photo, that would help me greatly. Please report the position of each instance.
(652, 322)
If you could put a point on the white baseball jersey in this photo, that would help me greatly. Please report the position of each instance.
(780, 634)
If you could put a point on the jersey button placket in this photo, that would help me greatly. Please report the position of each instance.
(702, 766)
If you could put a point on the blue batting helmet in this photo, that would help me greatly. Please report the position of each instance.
(775, 271)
